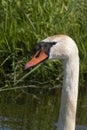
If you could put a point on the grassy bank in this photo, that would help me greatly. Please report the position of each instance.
(24, 23)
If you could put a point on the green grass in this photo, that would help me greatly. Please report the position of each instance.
(24, 23)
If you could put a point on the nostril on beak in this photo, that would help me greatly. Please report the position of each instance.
(38, 53)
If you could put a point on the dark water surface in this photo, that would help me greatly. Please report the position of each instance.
(36, 109)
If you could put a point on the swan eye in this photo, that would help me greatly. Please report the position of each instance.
(37, 47)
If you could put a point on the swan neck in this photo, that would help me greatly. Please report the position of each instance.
(69, 96)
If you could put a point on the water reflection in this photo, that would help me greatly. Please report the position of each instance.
(35, 109)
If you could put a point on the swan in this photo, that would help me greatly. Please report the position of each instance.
(62, 47)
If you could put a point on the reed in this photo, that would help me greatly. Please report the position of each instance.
(24, 23)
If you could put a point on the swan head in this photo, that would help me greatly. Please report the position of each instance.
(54, 47)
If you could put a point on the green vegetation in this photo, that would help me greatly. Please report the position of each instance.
(24, 23)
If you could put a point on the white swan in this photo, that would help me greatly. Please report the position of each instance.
(62, 47)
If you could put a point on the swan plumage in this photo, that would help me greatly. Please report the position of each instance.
(64, 48)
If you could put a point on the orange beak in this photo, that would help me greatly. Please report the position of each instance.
(38, 58)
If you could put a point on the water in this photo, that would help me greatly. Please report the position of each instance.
(36, 109)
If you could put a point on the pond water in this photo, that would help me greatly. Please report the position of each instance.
(36, 109)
